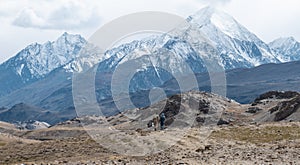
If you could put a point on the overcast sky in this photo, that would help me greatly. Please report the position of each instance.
(27, 21)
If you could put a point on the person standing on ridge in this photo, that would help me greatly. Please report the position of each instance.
(155, 122)
(162, 120)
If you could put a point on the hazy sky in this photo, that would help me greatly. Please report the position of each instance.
(27, 21)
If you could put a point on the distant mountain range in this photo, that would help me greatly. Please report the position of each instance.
(37, 60)
(41, 74)
(286, 49)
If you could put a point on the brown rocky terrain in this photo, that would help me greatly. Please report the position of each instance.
(201, 128)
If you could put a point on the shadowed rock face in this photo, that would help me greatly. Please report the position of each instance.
(287, 109)
(172, 108)
(272, 106)
(190, 109)
(277, 95)
(284, 106)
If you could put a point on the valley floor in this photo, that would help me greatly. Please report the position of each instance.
(269, 143)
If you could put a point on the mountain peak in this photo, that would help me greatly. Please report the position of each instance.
(72, 38)
(65, 34)
(286, 49)
(291, 38)
(37, 60)
(208, 13)
(283, 41)
(212, 17)
(205, 15)
(208, 10)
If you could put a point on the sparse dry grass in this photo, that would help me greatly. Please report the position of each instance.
(50, 150)
(82, 148)
(2, 143)
(264, 134)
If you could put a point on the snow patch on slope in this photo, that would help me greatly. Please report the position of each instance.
(20, 69)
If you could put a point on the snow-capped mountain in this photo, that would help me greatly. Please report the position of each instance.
(238, 47)
(210, 36)
(286, 49)
(37, 60)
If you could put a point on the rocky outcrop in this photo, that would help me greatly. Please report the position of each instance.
(287, 110)
(283, 106)
(277, 95)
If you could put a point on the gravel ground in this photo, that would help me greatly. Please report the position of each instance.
(273, 143)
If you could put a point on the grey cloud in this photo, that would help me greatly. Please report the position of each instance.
(66, 17)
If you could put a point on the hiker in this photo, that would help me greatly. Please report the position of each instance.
(150, 124)
(162, 120)
(155, 122)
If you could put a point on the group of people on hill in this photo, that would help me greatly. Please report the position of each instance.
(159, 120)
